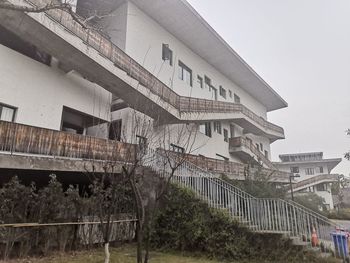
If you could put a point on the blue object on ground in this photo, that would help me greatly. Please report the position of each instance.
(340, 240)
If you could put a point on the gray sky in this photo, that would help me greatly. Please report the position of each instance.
(302, 49)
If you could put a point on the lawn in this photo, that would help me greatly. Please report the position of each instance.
(125, 254)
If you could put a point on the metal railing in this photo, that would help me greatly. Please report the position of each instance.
(244, 142)
(120, 59)
(316, 179)
(271, 215)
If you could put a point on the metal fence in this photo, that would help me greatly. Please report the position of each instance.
(270, 215)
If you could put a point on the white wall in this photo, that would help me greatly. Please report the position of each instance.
(39, 92)
(302, 169)
(144, 41)
(115, 25)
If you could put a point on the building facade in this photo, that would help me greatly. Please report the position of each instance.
(312, 173)
(162, 62)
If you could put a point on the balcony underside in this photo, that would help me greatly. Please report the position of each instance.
(244, 154)
(74, 53)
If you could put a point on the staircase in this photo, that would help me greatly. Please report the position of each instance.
(265, 215)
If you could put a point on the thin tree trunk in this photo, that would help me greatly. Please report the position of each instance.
(139, 241)
(107, 254)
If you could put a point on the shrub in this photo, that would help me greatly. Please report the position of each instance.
(187, 224)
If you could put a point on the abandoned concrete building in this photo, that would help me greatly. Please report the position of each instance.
(58, 79)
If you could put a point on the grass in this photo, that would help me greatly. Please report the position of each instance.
(125, 254)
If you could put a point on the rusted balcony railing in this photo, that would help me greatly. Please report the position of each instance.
(121, 60)
(244, 142)
(188, 104)
(19, 138)
(316, 179)
(236, 170)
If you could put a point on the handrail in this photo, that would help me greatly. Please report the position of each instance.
(120, 59)
(259, 214)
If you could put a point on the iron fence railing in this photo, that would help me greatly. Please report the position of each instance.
(271, 215)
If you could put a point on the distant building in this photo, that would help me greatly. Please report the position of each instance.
(314, 171)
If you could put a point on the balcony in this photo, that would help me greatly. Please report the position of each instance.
(102, 62)
(315, 180)
(247, 151)
(18, 140)
(235, 170)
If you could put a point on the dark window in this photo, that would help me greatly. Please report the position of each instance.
(115, 130)
(321, 187)
(200, 82)
(142, 143)
(320, 169)
(176, 148)
(225, 135)
(309, 171)
(214, 92)
(207, 82)
(257, 146)
(205, 129)
(7, 113)
(236, 99)
(261, 147)
(167, 54)
(185, 73)
(217, 127)
(232, 130)
(230, 93)
(294, 169)
(222, 92)
(267, 154)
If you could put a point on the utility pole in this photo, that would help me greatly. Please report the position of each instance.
(292, 176)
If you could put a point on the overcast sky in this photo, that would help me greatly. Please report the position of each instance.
(302, 49)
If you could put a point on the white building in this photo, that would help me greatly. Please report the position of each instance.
(162, 59)
(313, 173)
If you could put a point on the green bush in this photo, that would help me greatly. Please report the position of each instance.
(186, 224)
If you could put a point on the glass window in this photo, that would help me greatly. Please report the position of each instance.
(205, 129)
(7, 113)
(176, 148)
(294, 169)
(200, 82)
(207, 82)
(225, 135)
(167, 54)
(230, 93)
(236, 99)
(309, 171)
(217, 127)
(185, 73)
(222, 92)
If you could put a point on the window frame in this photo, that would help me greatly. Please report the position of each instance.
(3, 105)
(222, 92)
(184, 68)
(309, 171)
(218, 127)
(225, 133)
(236, 98)
(206, 126)
(294, 169)
(200, 81)
(177, 148)
(166, 50)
